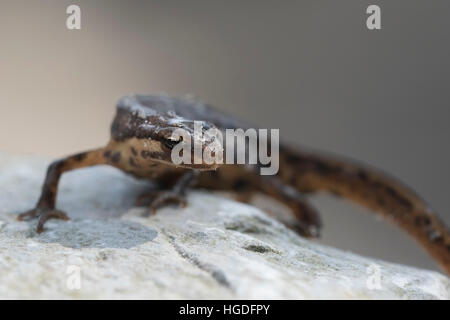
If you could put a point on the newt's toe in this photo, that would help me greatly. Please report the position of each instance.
(27, 215)
(44, 215)
(50, 214)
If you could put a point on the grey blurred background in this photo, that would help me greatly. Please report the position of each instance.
(310, 68)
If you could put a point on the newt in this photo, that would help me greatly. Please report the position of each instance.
(141, 144)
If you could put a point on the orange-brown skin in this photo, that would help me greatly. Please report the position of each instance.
(372, 189)
(140, 145)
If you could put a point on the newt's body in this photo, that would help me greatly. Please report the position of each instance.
(141, 145)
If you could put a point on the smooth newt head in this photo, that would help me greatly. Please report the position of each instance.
(160, 134)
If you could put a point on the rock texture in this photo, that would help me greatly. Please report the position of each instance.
(213, 249)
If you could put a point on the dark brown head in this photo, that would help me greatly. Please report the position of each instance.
(164, 136)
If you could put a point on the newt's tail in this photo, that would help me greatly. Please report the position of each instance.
(372, 189)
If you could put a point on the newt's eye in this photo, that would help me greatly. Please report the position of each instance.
(170, 144)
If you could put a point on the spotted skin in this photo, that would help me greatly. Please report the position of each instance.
(45, 208)
(372, 189)
(140, 146)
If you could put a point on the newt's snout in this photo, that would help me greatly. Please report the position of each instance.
(194, 144)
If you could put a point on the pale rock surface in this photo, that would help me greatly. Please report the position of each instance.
(213, 249)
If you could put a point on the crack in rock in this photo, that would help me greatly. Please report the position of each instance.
(214, 271)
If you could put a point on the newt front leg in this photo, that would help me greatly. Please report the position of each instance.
(45, 208)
